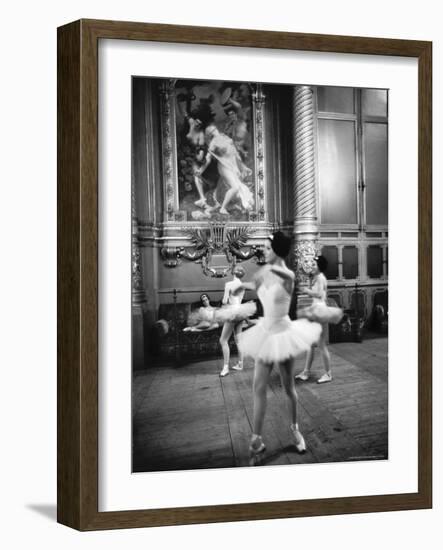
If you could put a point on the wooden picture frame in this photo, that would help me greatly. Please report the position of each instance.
(78, 274)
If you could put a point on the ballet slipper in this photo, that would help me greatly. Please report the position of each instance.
(303, 376)
(224, 211)
(225, 371)
(257, 446)
(238, 366)
(300, 443)
(327, 377)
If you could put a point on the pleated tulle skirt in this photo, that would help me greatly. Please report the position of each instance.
(273, 340)
(321, 313)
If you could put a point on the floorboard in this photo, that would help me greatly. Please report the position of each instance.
(188, 417)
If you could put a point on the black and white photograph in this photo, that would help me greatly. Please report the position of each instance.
(259, 274)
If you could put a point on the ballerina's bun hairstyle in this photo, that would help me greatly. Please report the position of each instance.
(280, 244)
(322, 263)
(202, 296)
(239, 272)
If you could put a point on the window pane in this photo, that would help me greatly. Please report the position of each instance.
(335, 100)
(331, 254)
(350, 262)
(374, 102)
(337, 171)
(376, 172)
(375, 262)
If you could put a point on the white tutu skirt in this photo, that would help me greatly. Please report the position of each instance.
(235, 313)
(321, 313)
(273, 340)
(202, 315)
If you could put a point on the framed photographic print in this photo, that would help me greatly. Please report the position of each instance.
(244, 275)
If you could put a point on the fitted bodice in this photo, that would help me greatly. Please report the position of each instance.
(319, 287)
(275, 300)
(234, 299)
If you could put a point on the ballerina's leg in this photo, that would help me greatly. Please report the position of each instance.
(327, 377)
(261, 378)
(306, 372)
(224, 339)
(237, 331)
(286, 369)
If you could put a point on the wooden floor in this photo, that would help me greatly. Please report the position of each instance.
(188, 417)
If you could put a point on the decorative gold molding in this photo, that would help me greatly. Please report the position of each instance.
(169, 153)
(305, 252)
(258, 101)
(216, 238)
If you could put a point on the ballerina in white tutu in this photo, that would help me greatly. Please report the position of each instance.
(275, 339)
(323, 314)
(235, 314)
(208, 317)
(203, 318)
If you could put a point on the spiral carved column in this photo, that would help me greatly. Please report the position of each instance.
(304, 195)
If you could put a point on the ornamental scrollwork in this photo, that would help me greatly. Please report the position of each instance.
(258, 98)
(305, 252)
(168, 125)
(217, 239)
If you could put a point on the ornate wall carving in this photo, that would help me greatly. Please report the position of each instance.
(305, 252)
(305, 204)
(169, 159)
(258, 98)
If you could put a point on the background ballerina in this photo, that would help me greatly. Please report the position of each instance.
(208, 317)
(203, 318)
(235, 317)
(321, 313)
(275, 339)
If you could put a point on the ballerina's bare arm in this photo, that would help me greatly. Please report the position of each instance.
(285, 274)
(248, 285)
(318, 290)
(310, 292)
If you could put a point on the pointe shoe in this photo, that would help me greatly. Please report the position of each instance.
(223, 211)
(327, 377)
(201, 203)
(300, 443)
(238, 366)
(302, 376)
(257, 446)
(225, 371)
